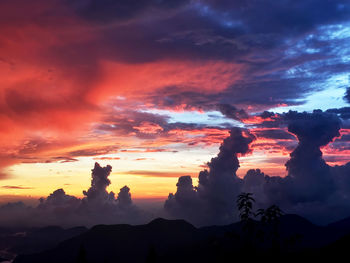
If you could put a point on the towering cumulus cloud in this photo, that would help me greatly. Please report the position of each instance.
(311, 178)
(99, 183)
(212, 201)
(312, 188)
(97, 207)
(101, 205)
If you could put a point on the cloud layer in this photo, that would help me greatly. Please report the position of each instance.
(97, 207)
(89, 79)
(64, 63)
(311, 188)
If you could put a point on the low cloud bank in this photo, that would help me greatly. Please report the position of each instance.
(98, 206)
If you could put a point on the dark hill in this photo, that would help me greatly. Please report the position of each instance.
(122, 243)
(14, 241)
(343, 224)
(178, 241)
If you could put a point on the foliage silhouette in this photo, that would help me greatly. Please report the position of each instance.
(245, 206)
(151, 255)
(263, 234)
(82, 255)
(269, 215)
(245, 203)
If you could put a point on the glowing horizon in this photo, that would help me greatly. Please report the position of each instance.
(155, 91)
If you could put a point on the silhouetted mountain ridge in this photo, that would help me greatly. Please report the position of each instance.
(33, 240)
(177, 240)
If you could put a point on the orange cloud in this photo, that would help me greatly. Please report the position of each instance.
(137, 80)
(148, 128)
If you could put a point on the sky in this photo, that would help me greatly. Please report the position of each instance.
(153, 87)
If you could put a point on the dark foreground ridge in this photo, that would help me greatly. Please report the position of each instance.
(14, 241)
(164, 240)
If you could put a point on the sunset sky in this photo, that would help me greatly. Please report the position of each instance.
(153, 87)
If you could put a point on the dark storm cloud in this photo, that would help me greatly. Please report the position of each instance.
(311, 188)
(316, 129)
(306, 166)
(212, 200)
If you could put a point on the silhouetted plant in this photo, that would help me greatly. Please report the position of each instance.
(292, 242)
(245, 205)
(152, 255)
(269, 215)
(82, 255)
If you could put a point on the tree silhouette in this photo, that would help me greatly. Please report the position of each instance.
(269, 215)
(151, 255)
(245, 206)
(81, 255)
